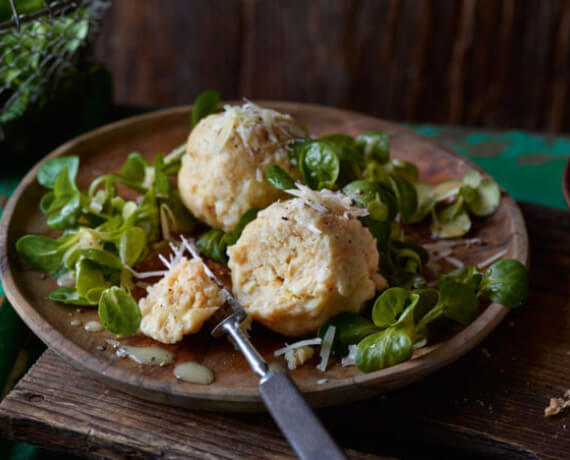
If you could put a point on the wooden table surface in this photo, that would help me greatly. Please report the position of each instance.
(491, 402)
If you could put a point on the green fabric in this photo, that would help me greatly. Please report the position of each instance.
(528, 166)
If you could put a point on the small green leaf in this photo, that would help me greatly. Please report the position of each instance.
(406, 195)
(88, 276)
(70, 296)
(134, 168)
(383, 349)
(118, 312)
(132, 246)
(210, 244)
(374, 145)
(403, 169)
(350, 329)
(373, 196)
(279, 178)
(50, 170)
(43, 253)
(388, 306)
(468, 275)
(206, 103)
(451, 222)
(231, 238)
(458, 302)
(161, 181)
(427, 300)
(487, 200)
(426, 202)
(319, 165)
(506, 282)
(102, 258)
(68, 216)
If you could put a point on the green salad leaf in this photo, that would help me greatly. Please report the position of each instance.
(388, 306)
(506, 282)
(374, 145)
(213, 244)
(69, 296)
(118, 312)
(51, 169)
(319, 165)
(350, 329)
(205, 104)
(279, 178)
(383, 349)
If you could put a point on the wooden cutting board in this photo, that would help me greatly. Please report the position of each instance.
(489, 403)
(235, 387)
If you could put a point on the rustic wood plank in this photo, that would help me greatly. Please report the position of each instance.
(475, 62)
(166, 52)
(490, 402)
(80, 415)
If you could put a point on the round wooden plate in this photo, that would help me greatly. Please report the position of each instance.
(235, 387)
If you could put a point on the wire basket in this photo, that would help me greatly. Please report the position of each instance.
(43, 50)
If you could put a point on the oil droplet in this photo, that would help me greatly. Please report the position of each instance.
(194, 373)
(93, 326)
(143, 355)
(75, 323)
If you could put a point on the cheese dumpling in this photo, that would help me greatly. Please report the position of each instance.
(180, 303)
(223, 171)
(303, 261)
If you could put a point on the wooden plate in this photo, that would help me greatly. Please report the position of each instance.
(234, 389)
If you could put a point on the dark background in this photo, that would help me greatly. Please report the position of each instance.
(499, 63)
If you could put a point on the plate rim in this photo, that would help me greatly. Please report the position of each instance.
(246, 400)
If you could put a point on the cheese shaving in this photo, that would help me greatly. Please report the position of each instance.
(327, 201)
(326, 348)
(301, 343)
(492, 259)
(246, 118)
(150, 274)
(298, 356)
(438, 245)
(454, 261)
(350, 358)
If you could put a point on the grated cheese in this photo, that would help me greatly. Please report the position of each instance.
(349, 360)
(66, 280)
(454, 261)
(301, 343)
(148, 177)
(492, 259)
(441, 255)
(326, 348)
(298, 356)
(166, 263)
(97, 207)
(438, 245)
(245, 118)
(150, 274)
(327, 201)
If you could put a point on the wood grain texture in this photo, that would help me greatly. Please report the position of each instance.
(54, 412)
(489, 403)
(104, 150)
(473, 62)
